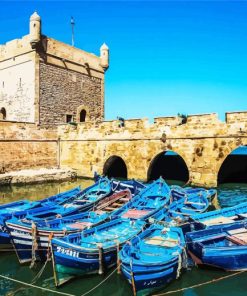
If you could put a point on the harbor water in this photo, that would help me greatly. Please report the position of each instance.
(115, 285)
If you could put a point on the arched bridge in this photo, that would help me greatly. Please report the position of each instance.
(194, 149)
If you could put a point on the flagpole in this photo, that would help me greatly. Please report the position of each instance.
(72, 22)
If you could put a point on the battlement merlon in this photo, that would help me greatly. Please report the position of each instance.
(69, 54)
(14, 48)
(51, 49)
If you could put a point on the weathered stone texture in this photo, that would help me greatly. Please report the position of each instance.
(203, 142)
(63, 92)
(36, 176)
(24, 146)
(42, 80)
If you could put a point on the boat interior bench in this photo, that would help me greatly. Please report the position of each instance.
(220, 220)
(161, 241)
(238, 236)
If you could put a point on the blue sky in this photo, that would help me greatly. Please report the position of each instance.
(166, 57)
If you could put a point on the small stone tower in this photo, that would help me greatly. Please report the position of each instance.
(45, 81)
(34, 29)
(104, 56)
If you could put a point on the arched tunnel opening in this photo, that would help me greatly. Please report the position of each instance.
(170, 166)
(234, 167)
(115, 167)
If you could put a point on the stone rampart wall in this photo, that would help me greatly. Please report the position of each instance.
(25, 146)
(203, 142)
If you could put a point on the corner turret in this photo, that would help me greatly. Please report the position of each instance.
(34, 29)
(104, 56)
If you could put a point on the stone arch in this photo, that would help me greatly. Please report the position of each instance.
(115, 167)
(82, 114)
(233, 167)
(3, 114)
(170, 165)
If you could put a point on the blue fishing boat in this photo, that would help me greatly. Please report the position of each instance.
(134, 186)
(60, 198)
(219, 217)
(31, 240)
(188, 205)
(48, 209)
(27, 232)
(224, 247)
(183, 192)
(153, 259)
(7, 210)
(91, 251)
(149, 201)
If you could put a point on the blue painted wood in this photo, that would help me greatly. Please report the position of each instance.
(219, 218)
(224, 247)
(153, 259)
(147, 203)
(79, 254)
(20, 230)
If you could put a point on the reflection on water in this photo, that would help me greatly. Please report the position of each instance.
(39, 191)
(228, 195)
(232, 194)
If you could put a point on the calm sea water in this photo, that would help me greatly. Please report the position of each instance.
(228, 195)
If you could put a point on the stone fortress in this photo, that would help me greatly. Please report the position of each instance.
(46, 84)
(46, 81)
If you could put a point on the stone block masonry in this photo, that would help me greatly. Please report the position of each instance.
(203, 142)
(25, 146)
(64, 92)
(45, 81)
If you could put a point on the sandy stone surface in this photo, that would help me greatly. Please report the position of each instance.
(36, 176)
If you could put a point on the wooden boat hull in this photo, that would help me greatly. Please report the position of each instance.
(97, 253)
(5, 241)
(22, 208)
(21, 232)
(146, 284)
(22, 235)
(224, 248)
(70, 263)
(152, 260)
(147, 203)
(218, 218)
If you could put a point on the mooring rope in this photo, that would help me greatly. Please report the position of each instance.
(38, 275)
(56, 292)
(201, 284)
(102, 282)
(34, 286)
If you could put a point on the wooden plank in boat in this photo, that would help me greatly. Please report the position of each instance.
(161, 241)
(124, 198)
(80, 225)
(110, 209)
(117, 204)
(237, 231)
(135, 214)
(195, 203)
(242, 237)
(219, 220)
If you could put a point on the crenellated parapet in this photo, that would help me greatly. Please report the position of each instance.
(14, 48)
(64, 55)
(196, 126)
(203, 141)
